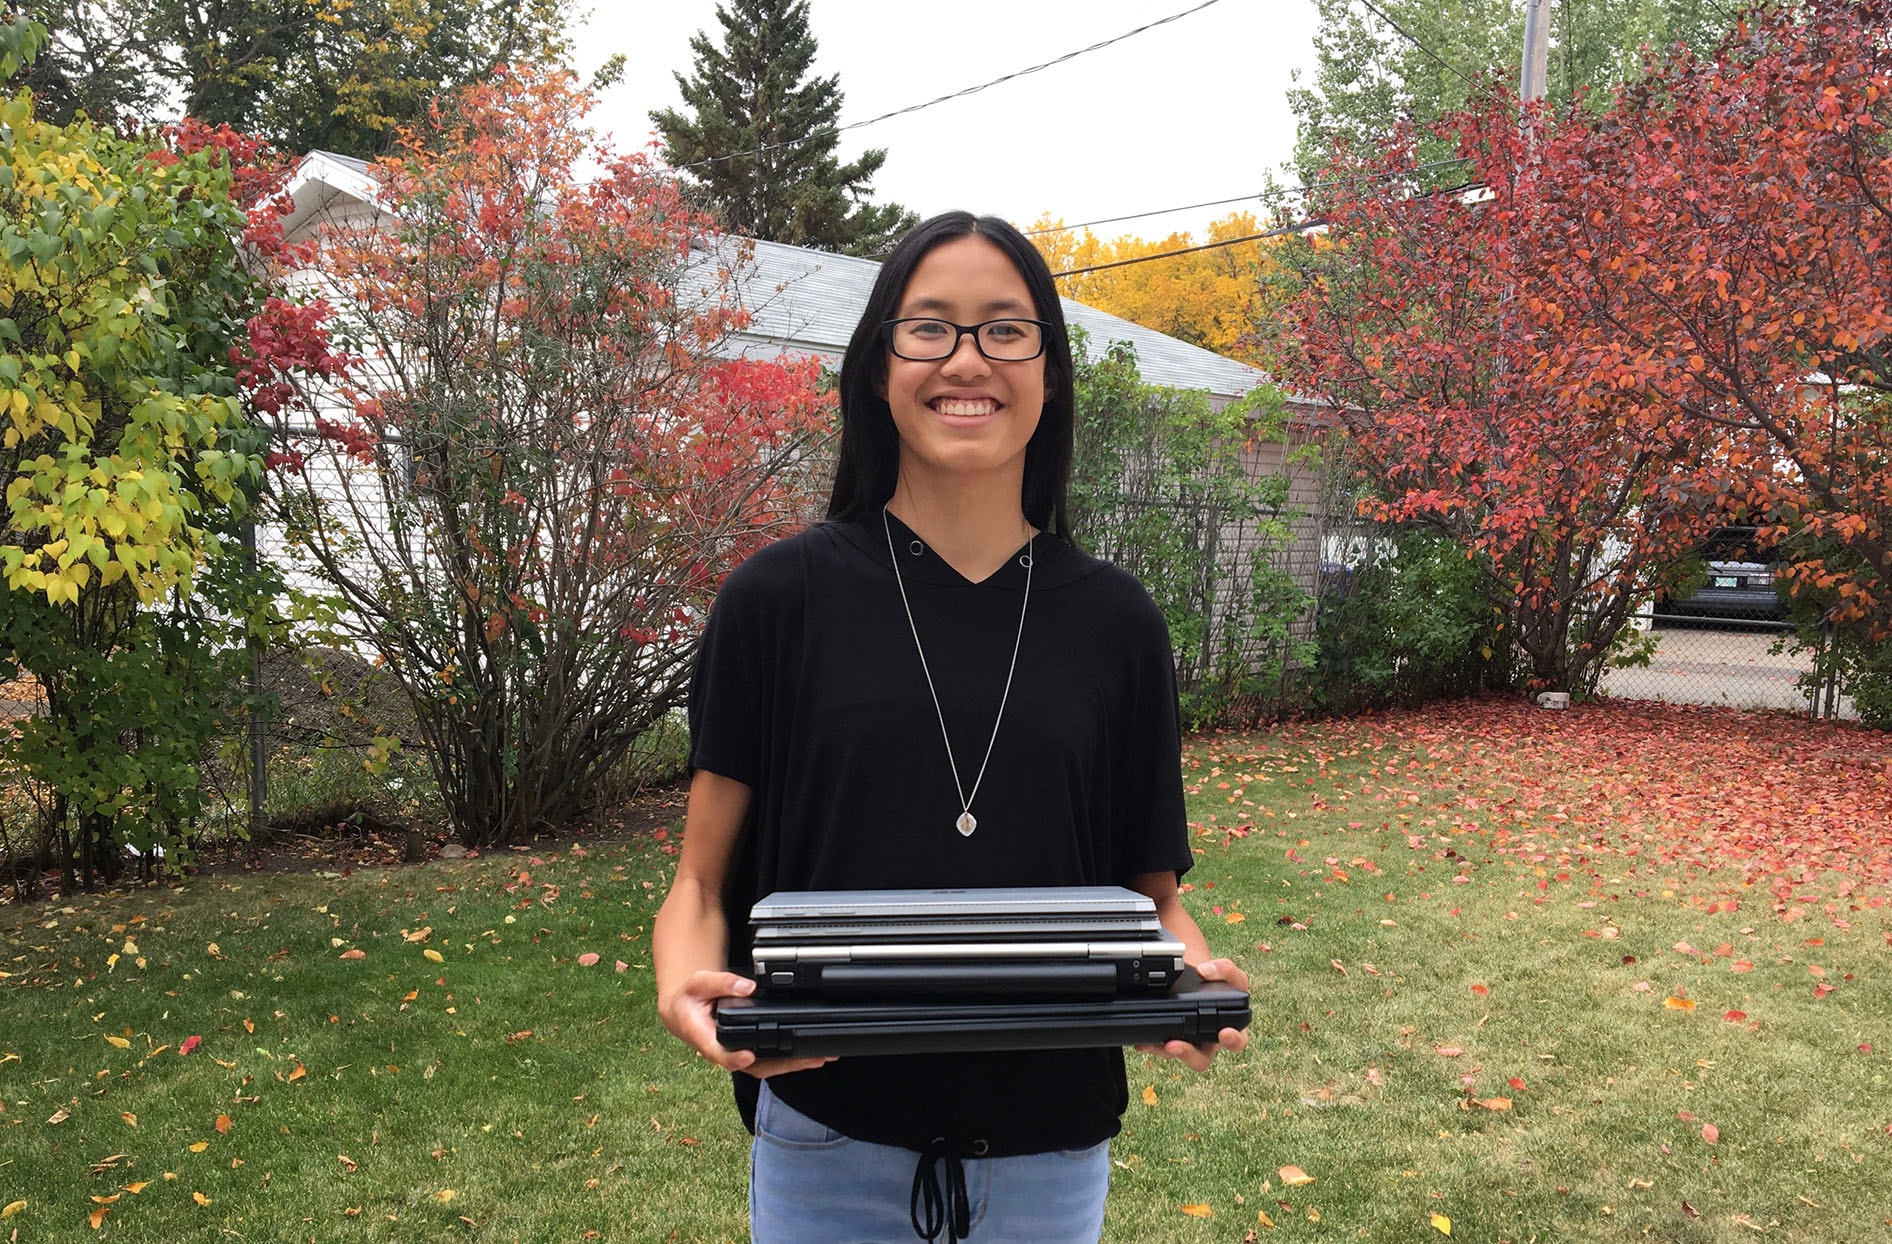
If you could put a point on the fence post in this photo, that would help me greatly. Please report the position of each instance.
(259, 769)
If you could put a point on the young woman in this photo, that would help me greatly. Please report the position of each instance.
(933, 688)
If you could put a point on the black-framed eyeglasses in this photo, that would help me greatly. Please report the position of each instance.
(920, 339)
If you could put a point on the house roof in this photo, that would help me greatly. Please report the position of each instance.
(807, 301)
(322, 180)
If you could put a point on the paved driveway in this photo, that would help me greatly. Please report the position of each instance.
(1701, 663)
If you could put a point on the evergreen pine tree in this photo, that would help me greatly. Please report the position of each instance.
(760, 146)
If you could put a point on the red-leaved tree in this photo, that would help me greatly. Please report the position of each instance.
(1414, 322)
(1719, 242)
(540, 459)
(1636, 323)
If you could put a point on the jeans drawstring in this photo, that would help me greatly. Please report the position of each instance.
(948, 1209)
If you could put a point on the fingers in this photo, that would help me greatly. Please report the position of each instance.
(1199, 1057)
(691, 1016)
(1223, 970)
(713, 985)
(763, 1068)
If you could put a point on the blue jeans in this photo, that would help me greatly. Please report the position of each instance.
(809, 1184)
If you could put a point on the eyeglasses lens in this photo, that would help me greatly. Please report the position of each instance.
(1003, 340)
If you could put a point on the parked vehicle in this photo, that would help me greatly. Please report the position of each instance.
(1736, 582)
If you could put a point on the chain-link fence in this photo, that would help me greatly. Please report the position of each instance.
(1727, 658)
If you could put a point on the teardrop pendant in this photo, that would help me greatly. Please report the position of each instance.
(966, 824)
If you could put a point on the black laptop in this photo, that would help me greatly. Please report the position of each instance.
(1191, 1010)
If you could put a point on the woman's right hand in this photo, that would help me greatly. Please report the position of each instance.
(690, 1016)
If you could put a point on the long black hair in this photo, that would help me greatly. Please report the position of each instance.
(868, 466)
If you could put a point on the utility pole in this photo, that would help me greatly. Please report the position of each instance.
(1536, 50)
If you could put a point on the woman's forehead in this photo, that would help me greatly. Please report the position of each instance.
(967, 274)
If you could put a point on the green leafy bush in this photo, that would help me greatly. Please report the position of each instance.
(1412, 623)
(1160, 485)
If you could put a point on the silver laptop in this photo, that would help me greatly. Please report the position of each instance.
(1078, 941)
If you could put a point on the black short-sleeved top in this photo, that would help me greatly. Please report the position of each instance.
(808, 689)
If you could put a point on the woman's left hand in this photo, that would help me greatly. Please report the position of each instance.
(1198, 1057)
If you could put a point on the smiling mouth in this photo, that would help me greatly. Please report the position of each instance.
(965, 408)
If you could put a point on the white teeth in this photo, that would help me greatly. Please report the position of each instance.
(966, 409)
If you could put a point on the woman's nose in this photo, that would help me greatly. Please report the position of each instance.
(966, 358)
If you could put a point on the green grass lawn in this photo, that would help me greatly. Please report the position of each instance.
(1614, 974)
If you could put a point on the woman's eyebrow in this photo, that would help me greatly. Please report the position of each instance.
(941, 304)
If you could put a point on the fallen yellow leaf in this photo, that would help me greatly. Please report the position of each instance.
(106, 1200)
(445, 1195)
(1295, 1177)
(1678, 1004)
(118, 1043)
(136, 1188)
(130, 1118)
(11, 1208)
(200, 1198)
(433, 956)
(296, 1073)
(198, 1146)
(1441, 1223)
(1198, 1210)
(1262, 1219)
(1235, 917)
(1495, 1103)
(1149, 1094)
(97, 1217)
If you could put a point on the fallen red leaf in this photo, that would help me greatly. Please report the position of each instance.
(1711, 1133)
(188, 1044)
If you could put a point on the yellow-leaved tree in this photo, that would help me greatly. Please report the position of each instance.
(1213, 298)
(127, 461)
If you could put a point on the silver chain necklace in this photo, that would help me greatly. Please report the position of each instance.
(966, 822)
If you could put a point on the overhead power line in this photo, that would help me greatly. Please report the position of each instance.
(1260, 196)
(971, 90)
(1413, 39)
(1190, 250)
(1284, 231)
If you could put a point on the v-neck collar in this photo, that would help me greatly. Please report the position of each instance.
(1053, 559)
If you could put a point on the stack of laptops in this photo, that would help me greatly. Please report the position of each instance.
(913, 971)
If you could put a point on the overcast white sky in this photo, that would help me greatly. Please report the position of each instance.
(1191, 111)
